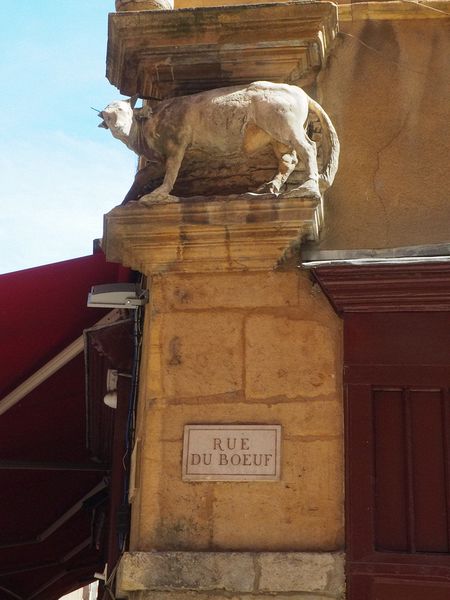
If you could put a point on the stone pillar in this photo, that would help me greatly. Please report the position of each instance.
(234, 335)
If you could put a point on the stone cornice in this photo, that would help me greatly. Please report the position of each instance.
(231, 233)
(167, 53)
(394, 10)
(386, 288)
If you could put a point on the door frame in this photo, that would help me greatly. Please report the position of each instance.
(362, 295)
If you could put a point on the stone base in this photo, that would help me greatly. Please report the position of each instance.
(245, 575)
(222, 596)
(215, 233)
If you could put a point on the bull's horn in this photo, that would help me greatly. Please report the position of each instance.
(133, 100)
(103, 124)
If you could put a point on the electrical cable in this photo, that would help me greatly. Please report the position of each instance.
(131, 417)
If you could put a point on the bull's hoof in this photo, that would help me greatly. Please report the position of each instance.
(159, 198)
(161, 194)
(268, 188)
(310, 189)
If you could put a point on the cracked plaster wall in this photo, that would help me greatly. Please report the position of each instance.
(387, 90)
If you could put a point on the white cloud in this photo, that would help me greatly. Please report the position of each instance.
(55, 190)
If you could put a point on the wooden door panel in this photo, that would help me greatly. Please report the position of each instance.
(407, 590)
(429, 483)
(411, 483)
(398, 491)
(410, 338)
(359, 464)
(390, 476)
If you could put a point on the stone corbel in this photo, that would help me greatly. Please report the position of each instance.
(221, 233)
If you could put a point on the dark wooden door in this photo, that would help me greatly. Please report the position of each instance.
(397, 376)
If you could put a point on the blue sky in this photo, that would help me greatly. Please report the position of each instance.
(59, 173)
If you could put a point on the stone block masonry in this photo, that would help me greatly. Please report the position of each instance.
(240, 348)
(231, 339)
(244, 575)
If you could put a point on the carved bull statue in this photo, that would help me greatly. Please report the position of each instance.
(221, 122)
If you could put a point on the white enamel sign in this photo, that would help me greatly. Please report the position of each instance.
(231, 452)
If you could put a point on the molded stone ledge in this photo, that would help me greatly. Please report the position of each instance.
(169, 53)
(249, 575)
(204, 234)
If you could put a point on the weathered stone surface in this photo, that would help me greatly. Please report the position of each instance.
(133, 5)
(301, 512)
(316, 465)
(403, 202)
(290, 358)
(230, 290)
(201, 354)
(217, 596)
(183, 518)
(247, 575)
(301, 572)
(304, 511)
(321, 418)
(396, 10)
(232, 46)
(275, 289)
(201, 571)
(210, 234)
(203, 3)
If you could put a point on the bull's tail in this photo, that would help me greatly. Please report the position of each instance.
(329, 171)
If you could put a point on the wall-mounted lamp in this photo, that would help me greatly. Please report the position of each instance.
(112, 376)
(102, 576)
(110, 398)
(117, 295)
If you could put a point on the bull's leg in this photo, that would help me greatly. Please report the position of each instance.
(306, 151)
(173, 164)
(283, 119)
(142, 178)
(287, 161)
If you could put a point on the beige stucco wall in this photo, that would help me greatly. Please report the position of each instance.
(241, 348)
(387, 89)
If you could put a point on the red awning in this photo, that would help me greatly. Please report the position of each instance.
(52, 499)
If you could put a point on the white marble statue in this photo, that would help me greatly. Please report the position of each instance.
(221, 122)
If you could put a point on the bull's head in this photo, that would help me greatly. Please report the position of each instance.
(118, 116)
